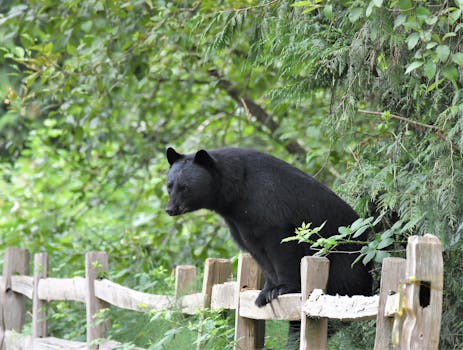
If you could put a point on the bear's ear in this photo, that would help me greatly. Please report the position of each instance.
(203, 158)
(173, 156)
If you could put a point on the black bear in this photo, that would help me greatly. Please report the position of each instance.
(263, 199)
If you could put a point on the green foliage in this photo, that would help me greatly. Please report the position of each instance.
(372, 249)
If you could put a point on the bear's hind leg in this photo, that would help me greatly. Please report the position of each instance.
(266, 294)
(270, 292)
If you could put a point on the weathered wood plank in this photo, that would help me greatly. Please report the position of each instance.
(126, 298)
(314, 275)
(96, 264)
(191, 303)
(392, 271)
(62, 289)
(249, 333)
(285, 307)
(111, 292)
(51, 343)
(216, 271)
(392, 307)
(185, 280)
(224, 296)
(344, 308)
(71, 289)
(111, 344)
(17, 341)
(424, 284)
(39, 307)
(12, 306)
(22, 285)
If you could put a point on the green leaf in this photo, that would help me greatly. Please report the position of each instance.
(378, 3)
(344, 231)
(381, 255)
(385, 243)
(312, 8)
(431, 20)
(412, 40)
(303, 3)
(19, 52)
(149, 3)
(434, 85)
(450, 72)
(357, 260)
(71, 49)
(399, 20)
(87, 26)
(422, 13)
(429, 69)
(78, 133)
(369, 256)
(412, 66)
(412, 23)
(449, 35)
(361, 222)
(359, 232)
(355, 13)
(443, 52)
(370, 7)
(458, 58)
(405, 5)
(26, 40)
(454, 16)
(328, 11)
(290, 239)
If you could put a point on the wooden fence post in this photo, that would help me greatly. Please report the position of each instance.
(423, 293)
(392, 272)
(39, 307)
(185, 280)
(12, 309)
(314, 275)
(216, 271)
(96, 265)
(249, 333)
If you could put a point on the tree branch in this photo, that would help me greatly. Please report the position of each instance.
(438, 131)
(252, 108)
(399, 117)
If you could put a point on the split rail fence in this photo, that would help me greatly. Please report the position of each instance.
(407, 309)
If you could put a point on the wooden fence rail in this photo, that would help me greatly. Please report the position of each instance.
(407, 309)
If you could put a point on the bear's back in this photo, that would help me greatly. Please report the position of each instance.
(276, 189)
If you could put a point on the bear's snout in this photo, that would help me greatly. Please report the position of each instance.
(172, 211)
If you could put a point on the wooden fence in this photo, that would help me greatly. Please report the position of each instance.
(407, 309)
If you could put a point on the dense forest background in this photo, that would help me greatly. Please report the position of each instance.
(364, 95)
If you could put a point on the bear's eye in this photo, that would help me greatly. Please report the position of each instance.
(169, 187)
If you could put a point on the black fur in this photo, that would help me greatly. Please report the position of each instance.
(263, 199)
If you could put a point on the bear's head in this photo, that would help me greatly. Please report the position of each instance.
(190, 182)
